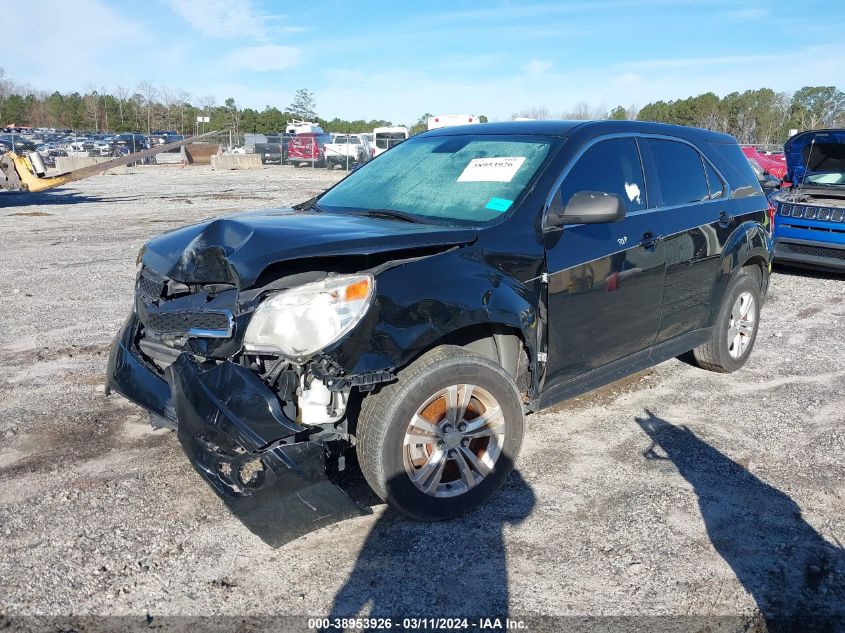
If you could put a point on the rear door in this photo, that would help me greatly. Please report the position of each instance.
(688, 194)
(605, 280)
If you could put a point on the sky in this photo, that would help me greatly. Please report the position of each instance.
(397, 60)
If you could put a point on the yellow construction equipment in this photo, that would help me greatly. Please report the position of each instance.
(27, 173)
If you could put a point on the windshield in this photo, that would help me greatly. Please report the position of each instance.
(825, 164)
(468, 179)
(828, 178)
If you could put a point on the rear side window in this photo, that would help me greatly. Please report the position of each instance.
(680, 173)
(717, 185)
(611, 166)
(730, 160)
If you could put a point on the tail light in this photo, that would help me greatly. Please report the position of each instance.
(772, 212)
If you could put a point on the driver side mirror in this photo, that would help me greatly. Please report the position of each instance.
(586, 207)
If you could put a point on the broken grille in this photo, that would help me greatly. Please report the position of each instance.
(215, 324)
(149, 288)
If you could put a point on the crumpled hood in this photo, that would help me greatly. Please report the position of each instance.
(237, 248)
(827, 143)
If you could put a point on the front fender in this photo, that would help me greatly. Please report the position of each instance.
(419, 303)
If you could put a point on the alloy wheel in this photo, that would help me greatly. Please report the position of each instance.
(453, 440)
(742, 322)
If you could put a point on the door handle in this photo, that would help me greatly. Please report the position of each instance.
(725, 219)
(650, 240)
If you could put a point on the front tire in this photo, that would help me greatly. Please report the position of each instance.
(735, 330)
(442, 439)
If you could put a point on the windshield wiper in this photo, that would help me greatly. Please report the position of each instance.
(391, 214)
(309, 205)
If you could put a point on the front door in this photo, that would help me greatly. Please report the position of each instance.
(605, 280)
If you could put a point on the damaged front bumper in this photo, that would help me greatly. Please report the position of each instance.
(235, 434)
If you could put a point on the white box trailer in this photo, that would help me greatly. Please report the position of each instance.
(448, 120)
(386, 137)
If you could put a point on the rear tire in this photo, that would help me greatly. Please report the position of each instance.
(442, 439)
(735, 329)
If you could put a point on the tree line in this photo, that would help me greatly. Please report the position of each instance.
(755, 116)
(760, 116)
(147, 108)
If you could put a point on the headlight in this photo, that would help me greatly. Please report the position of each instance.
(140, 255)
(300, 321)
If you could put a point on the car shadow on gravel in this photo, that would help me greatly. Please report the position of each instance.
(16, 199)
(442, 569)
(796, 577)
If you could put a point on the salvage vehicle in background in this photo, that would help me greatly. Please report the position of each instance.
(417, 310)
(28, 172)
(346, 151)
(386, 137)
(16, 143)
(275, 149)
(307, 148)
(809, 223)
(768, 183)
(130, 143)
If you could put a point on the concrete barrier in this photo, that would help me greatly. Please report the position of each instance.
(171, 158)
(65, 164)
(222, 162)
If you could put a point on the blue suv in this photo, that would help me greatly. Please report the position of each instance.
(809, 226)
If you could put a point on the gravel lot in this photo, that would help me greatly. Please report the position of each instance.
(674, 492)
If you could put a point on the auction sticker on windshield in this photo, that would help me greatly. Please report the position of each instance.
(499, 169)
(498, 204)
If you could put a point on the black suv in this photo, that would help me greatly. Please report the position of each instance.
(417, 310)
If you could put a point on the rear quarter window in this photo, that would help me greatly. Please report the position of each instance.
(717, 185)
(733, 164)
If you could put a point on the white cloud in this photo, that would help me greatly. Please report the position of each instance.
(265, 58)
(537, 66)
(627, 79)
(747, 15)
(229, 19)
(359, 93)
(42, 56)
(695, 62)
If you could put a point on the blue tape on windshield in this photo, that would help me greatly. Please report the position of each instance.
(498, 204)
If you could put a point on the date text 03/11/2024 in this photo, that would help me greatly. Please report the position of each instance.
(417, 624)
